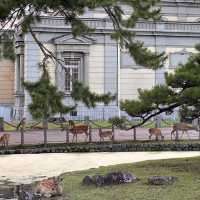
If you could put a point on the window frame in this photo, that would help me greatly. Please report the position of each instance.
(72, 57)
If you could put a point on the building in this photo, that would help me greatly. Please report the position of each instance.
(99, 62)
(7, 71)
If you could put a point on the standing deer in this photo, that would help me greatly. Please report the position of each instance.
(4, 139)
(156, 132)
(78, 129)
(182, 127)
(104, 134)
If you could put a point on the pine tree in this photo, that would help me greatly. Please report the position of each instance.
(46, 99)
(29, 12)
(182, 90)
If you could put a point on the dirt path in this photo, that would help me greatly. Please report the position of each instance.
(31, 167)
(56, 136)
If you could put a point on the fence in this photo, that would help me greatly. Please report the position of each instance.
(6, 112)
(32, 133)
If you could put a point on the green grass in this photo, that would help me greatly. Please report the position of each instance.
(186, 188)
(97, 123)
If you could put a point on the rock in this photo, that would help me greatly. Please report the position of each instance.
(161, 180)
(98, 180)
(112, 178)
(7, 192)
(88, 180)
(129, 178)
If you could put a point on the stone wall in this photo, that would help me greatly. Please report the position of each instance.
(105, 147)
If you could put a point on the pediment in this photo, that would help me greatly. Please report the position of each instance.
(70, 39)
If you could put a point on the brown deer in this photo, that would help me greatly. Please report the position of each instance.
(156, 132)
(78, 129)
(104, 134)
(184, 127)
(4, 139)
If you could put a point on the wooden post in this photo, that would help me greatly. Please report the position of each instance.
(67, 134)
(22, 135)
(113, 131)
(22, 129)
(90, 134)
(134, 134)
(1, 124)
(199, 127)
(177, 136)
(45, 127)
(86, 119)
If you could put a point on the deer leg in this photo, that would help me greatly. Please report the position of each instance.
(86, 137)
(149, 137)
(162, 137)
(76, 138)
(172, 133)
(182, 134)
(188, 135)
(73, 137)
(156, 138)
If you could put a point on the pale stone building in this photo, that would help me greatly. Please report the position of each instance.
(7, 70)
(98, 61)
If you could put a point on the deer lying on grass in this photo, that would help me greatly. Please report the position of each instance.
(104, 134)
(184, 127)
(4, 139)
(156, 132)
(78, 129)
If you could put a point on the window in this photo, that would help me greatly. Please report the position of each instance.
(178, 58)
(73, 113)
(127, 61)
(72, 70)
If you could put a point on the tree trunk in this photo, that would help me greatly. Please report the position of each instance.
(67, 134)
(90, 135)
(177, 136)
(113, 131)
(22, 135)
(45, 127)
(134, 134)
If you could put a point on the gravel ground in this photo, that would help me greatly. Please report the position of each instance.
(56, 136)
(28, 168)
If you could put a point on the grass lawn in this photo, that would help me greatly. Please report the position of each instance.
(186, 188)
(96, 124)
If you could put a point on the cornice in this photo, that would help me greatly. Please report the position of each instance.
(57, 24)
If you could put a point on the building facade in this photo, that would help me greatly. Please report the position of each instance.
(98, 61)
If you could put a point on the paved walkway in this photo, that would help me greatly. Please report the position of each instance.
(56, 136)
(28, 168)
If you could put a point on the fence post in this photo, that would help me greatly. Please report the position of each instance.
(22, 130)
(113, 131)
(177, 137)
(86, 119)
(90, 134)
(134, 134)
(199, 126)
(1, 124)
(67, 134)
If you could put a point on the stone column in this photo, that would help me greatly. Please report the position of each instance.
(86, 69)
(19, 67)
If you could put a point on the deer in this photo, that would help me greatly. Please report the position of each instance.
(157, 132)
(78, 129)
(4, 139)
(104, 134)
(184, 127)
